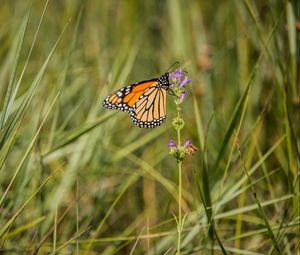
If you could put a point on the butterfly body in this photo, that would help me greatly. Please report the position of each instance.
(145, 101)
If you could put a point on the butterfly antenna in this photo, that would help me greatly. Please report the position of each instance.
(170, 69)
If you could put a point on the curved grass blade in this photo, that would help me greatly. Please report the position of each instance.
(11, 91)
(25, 104)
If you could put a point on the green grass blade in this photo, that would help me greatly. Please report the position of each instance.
(27, 152)
(4, 228)
(69, 241)
(262, 231)
(209, 214)
(24, 228)
(207, 197)
(251, 207)
(10, 95)
(138, 143)
(25, 104)
(63, 75)
(236, 114)
(262, 212)
(127, 184)
(72, 135)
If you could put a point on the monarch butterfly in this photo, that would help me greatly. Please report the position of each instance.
(145, 101)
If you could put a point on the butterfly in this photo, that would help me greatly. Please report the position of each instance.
(145, 101)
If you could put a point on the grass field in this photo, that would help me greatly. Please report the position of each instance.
(76, 178)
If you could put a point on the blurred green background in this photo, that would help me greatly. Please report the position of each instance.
(76, 178)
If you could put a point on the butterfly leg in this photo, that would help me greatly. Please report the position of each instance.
(172, 93)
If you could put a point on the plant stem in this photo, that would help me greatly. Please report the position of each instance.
(179, 227)
(179, 163)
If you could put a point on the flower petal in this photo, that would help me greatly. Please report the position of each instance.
(187, 143)
(184, 82)
(182, 96)
(177, 74)
(172, 144)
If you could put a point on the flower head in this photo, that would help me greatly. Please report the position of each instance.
(176, 75)
(178, 82)
(182, 150)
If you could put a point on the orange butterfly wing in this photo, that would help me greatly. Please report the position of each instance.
(124, 98)
(149, 111)
(144, 101)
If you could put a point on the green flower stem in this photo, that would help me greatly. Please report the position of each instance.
(179, 227)
(179, 151)
(179, 163)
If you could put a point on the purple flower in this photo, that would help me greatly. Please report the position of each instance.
(178, 82)
(184, 82)
(182, 96)
(172, 144)
(187, 143)
(176, 75)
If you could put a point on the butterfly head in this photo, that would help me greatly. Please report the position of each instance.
(163, 81)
